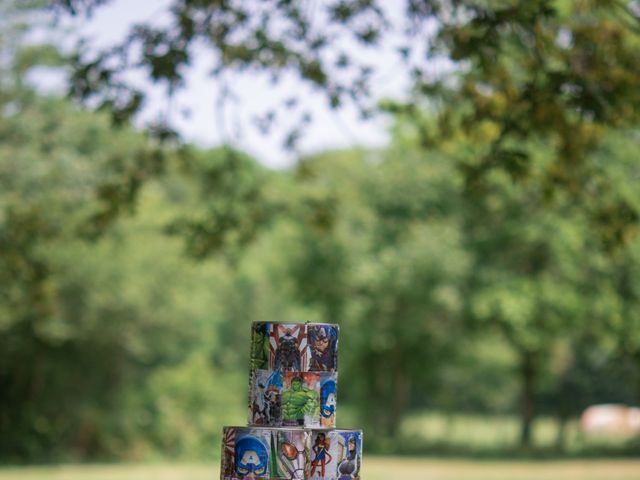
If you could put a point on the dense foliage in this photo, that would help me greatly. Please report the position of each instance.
(560, 72)
(123, 345)
(485, 261)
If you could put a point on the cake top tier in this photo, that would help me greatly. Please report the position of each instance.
(294, 347)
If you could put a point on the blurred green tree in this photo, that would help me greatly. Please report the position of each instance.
(387, 262)
(108, 343)
(417, 265)
(558, 72)
(104, 323)
(472, 231)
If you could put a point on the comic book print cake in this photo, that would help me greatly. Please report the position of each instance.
(293, 386)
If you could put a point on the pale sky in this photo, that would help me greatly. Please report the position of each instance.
(207, 126)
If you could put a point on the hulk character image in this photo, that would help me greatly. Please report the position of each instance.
(260, 346)
(297, 402)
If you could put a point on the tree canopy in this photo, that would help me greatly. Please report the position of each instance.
(484, 261)
(556, 72)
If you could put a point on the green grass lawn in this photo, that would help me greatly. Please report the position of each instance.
(376, 468)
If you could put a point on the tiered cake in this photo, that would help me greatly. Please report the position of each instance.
(292, 409)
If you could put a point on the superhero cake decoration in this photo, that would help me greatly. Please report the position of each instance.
(293, 390)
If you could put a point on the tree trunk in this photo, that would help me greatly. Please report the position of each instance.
(527, 400)
(401, 388)
(636, 358)
(561, 437)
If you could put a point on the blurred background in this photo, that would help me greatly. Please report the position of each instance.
(456, 184)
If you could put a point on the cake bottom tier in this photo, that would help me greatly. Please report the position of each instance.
(290, 453)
